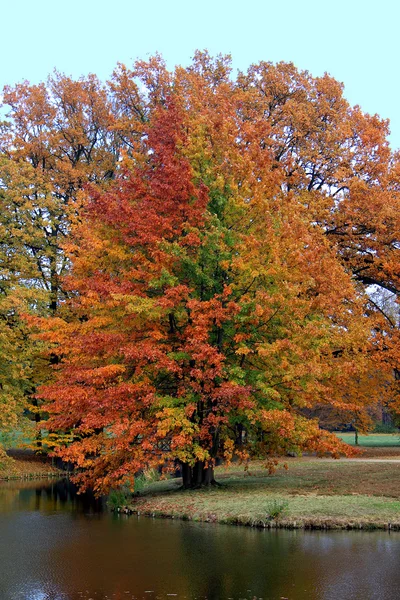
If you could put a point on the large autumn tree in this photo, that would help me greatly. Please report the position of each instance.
(218, 285)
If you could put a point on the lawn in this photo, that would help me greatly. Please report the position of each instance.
(311, 493)
(372, 440)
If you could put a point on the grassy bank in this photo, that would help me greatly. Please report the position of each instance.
(23, 464)
(312, 493)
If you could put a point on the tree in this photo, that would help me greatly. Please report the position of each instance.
(226, 234)
(58, 138)
(337, 161)
(208, 304)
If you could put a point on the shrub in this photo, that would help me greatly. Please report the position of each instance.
(385, 428)
(145, 478)
(116, 499)
(277, 509)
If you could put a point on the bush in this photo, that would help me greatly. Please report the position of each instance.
(385, 428)
(117, 499)
(123, 495)
(140, 483)
(145, 478)
(277, 509)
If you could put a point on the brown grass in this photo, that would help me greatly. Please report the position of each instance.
(379, 452)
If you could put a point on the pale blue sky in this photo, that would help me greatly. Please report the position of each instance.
(353, 40)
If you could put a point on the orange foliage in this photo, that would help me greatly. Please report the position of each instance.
(219, 285)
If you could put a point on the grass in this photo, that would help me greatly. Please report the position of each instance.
(311, 494)
(20, 464)
(372, 440)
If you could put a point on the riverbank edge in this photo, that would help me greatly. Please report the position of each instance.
(26, 466)
(321, 523)
(32, 476)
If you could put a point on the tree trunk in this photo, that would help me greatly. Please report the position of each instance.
(356, 437)
(186, 475)
(38, 436)
(197, 476)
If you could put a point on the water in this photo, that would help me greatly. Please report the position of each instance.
(57, 546)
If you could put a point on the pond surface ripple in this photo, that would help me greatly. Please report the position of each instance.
(55, 545)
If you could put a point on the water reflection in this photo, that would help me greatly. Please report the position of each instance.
(47, 497)
(51, 548)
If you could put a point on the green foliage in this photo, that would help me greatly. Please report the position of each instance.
(117, 498)
(385, 428)
(120, 497)
(277, 509)
(145, 479)
(18, 438)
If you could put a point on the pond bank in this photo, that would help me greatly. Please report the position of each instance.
(320, 524)
(25, 464)
(311, 494)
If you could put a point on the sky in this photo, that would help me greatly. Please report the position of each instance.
(352, 40)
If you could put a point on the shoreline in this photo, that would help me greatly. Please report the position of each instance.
(33, 475)
(306, 524)
(312, 493)
(21, 464)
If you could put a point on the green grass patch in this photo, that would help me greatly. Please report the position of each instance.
(372, 440)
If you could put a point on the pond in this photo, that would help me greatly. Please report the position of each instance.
(55, 545)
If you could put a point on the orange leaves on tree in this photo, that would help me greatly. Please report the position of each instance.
(217, 291)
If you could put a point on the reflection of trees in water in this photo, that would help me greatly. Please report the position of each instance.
(61, 494)
(222, 561)
(113, 554)
(65, 494)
